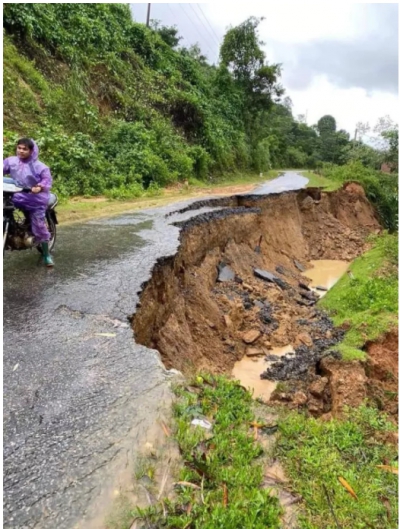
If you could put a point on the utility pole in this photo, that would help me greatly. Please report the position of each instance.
(355, 138)
(148, 15)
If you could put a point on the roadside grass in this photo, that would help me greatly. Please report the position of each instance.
(366, 300)
(320, 181)
(220, 485)
(315, 454)
(84, 208)
(236, 178)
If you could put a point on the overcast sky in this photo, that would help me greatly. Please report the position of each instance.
(337, 59)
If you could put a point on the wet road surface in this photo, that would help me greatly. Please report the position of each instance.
(78, 391)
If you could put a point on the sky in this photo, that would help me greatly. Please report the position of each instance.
(338, 59)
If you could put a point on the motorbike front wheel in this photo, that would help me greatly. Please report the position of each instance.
(51, 226)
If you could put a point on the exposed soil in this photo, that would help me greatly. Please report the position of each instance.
(212, 303)
(183, 306)
(382, 371)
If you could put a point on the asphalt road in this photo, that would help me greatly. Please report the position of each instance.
(78, 391)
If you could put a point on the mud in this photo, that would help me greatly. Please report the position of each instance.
(325, 274)
(248, 369)
(197, 323)
(382, 372)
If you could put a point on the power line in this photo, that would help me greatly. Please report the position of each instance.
(202, 23)
(201, 35)
(174, 15)
(212, 29)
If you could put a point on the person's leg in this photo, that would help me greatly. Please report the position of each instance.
(41, 233)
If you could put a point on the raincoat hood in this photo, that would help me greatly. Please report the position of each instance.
(29, 173)
(35, 153)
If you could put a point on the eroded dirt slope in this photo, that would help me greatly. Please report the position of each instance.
(197, 322)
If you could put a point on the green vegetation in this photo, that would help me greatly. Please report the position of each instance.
(119, 109)
(223, 473)
(316, 453)
(367, 298)
(381, 189)
(315, 180)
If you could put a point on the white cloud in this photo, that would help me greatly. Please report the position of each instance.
(348, 106)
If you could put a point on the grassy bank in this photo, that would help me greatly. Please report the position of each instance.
(366, 299)
(342, 470)
(323, 458)
(315, 180)
(220, 486)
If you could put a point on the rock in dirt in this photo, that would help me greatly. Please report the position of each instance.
(281, 283)
(251, 336)
(280, 270)
(306, 287)
(248, 287)
(305, 338)
(347, 383)
(271, 278)
(299, 398)
(225, 273)
(266, 276)
(315, 406)
(309, 295)
(305, 303)
(253, 351)
(307, 204)
(272, 358)
(318, 387)
(228, 321)
(326, 417)
(323, 289)
(299, 266)
(282, 397)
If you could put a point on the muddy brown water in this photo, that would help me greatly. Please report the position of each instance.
(325, 273)
(249, 369)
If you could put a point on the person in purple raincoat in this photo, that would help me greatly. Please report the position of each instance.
(29, 172)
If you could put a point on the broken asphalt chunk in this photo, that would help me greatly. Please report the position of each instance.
(267, 276)
(263, 274)
(225, 273)
(299, 266)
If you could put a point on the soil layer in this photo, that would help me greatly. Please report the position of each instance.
(235, 286)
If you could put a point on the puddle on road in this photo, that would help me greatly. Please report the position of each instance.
(249, 369)
(325, 274)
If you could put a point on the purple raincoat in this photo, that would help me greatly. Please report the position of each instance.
(29, 173)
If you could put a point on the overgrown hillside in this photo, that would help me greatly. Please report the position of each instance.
(117, 107)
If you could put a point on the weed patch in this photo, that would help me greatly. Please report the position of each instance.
(316, 454)
(220, 484)
(366, 300)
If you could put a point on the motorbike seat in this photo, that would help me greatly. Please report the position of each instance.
(52, 201)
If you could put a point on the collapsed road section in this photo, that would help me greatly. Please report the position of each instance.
(80, 396)
(236, 287)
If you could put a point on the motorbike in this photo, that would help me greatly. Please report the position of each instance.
(17, 232)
